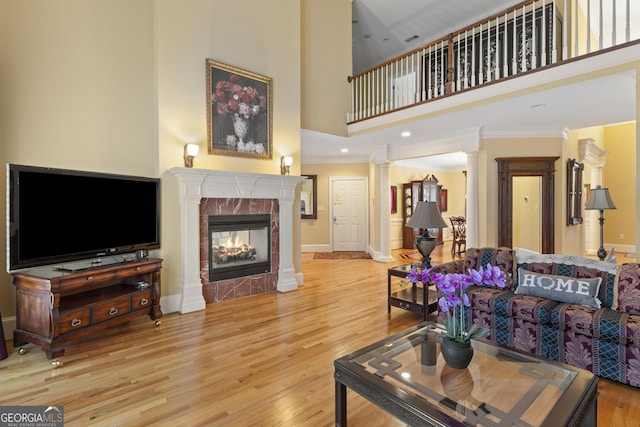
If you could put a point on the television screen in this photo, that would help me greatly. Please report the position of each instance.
(57, 215)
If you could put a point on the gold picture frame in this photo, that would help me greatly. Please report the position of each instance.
(239, 112)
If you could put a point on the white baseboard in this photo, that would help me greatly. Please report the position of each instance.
(8, 325)
(617, 249)
(170, 303)
(299, 278)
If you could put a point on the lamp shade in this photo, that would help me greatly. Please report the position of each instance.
(192, 149)
(426, 215)
(599, 199)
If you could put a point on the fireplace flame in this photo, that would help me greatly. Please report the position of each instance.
(233, 249)
(233, 242)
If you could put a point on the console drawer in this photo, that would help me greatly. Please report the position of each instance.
(141, 300)
(74, 319)
(110, 309)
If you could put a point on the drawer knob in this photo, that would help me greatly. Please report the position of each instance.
(137, 268)
(76, 322)
(89, 278)
(144, 301)
(113, 311)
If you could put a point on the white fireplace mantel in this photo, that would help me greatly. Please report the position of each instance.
(196, 184)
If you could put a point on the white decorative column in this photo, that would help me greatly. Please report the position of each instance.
(473, 222)
(595, 158)
(191, 298)
(286, 272)
(196, 184)
(385, 214)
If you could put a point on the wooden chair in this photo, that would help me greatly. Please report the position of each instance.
(459, 224)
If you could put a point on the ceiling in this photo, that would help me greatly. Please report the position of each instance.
(599, 101)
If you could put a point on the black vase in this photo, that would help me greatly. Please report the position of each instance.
(457, 354)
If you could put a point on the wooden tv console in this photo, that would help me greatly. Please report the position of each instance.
(55, 306)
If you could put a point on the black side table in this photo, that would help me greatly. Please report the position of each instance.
(412, 297)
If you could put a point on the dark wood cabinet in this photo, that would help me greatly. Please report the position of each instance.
(53, 307)
(427, 190)
(411, 194)
(431, 193)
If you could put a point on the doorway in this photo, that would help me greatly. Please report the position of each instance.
(349, 218)
(508, 169)
(527, 205)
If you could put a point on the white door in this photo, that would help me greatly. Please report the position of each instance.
(349, 213)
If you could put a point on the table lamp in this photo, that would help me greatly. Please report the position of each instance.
(426, 216)
(599, 199)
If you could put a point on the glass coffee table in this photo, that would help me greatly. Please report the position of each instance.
(406, 376)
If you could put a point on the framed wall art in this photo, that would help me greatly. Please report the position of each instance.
(444, 199)
(394, 199)
(239, 112)
(574, 192)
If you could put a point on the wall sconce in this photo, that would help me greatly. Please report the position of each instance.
(285, 164)
(190, 151)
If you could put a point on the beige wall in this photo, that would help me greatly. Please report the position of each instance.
(189, 31)
(77, 91)
(326, 63)
(318, 231)
(620, 178)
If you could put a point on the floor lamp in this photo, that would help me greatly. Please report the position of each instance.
(426, 216)
(599, 199)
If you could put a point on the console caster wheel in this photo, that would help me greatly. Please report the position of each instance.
(158, 322)
(55, 364)
(22, 351)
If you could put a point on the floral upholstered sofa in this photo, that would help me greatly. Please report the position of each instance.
(576, 310)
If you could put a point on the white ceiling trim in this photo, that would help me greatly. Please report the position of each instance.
(465, 140)
(505, 133)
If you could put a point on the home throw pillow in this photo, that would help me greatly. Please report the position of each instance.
(559, 288)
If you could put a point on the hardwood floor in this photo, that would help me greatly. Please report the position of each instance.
(258, 361)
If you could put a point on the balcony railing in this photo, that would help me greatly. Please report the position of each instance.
(532, 35)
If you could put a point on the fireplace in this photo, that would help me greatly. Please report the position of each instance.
(206, 192)
(239, 245)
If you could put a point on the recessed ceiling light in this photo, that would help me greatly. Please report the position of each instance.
(405, 134)
(345, 150)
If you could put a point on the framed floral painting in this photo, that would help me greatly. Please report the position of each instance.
(239, 112)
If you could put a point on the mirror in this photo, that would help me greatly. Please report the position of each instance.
(308, 203)
(508, 169)
(574, 192)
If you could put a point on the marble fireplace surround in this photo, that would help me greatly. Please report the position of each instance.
(197, 184)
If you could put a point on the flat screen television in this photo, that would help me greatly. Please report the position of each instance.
(58, 215)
